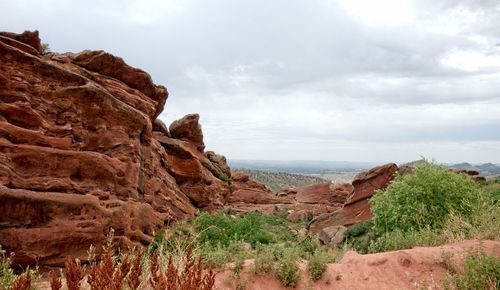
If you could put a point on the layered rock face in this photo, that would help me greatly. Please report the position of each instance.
(357, 208)
(81, 151)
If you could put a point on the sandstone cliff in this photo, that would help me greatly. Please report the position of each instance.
(81, 151)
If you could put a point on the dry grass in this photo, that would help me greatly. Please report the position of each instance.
(23, 282)
(110, 272)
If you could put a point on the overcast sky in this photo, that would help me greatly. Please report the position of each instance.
(346, 80)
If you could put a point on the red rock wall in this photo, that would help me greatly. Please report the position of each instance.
(78, 155)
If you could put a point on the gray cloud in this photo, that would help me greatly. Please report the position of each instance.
(291, 79)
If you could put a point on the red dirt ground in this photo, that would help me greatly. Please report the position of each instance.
(404, 269)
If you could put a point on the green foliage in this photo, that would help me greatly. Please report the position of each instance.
(424, 199)
(492, 188)
(480, 272)
(317, 266)
(225, 178)
(448, 262)
(7, 276)
(265, 259)
(397, 240)
(359, 229)
(288, 272)
(483, 224)
(221, 229)
(44, 48)
(309, 246)
(361, 235)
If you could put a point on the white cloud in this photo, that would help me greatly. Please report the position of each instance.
(385, 80)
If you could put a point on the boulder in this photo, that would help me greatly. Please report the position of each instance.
(220, 162)
(188, 129)
(332, 235)
(159, 126)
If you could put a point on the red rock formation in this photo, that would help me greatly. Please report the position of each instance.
(78, 155)
(189, 129)
(30, 38)
(302, 202)
(357, 208)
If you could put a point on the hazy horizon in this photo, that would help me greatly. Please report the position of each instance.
(369, 81)
(361, 162)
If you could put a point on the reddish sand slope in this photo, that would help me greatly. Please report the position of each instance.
(402, 269)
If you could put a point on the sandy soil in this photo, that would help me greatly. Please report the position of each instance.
(404, 269)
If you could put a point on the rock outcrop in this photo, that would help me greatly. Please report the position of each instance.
(302, 203)
(357, 208)
(473, 174)
(188, 129)
(82, 151)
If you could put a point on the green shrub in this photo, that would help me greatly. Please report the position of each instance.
(424, 199)
(492, 188)
(264, 260)
(288, 272)
(45, 48)
(7, 276)
(317, 266)
(226, 178)
(397, 240)
(448, 262)
(361, 235)
(480, 272)
(483, 224)
(309, 246)
(221, 229)
(359, 229)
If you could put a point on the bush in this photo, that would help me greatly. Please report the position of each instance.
(45, 48)
(317, 266)
(288, 272)
(7, 276)
(226, 178)
(397, 240)
(361, 235)
(309, 246)
(424, 199)
(359, 229)
(221, 229)
(480, 272)
(483, 224)
(265, 260)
